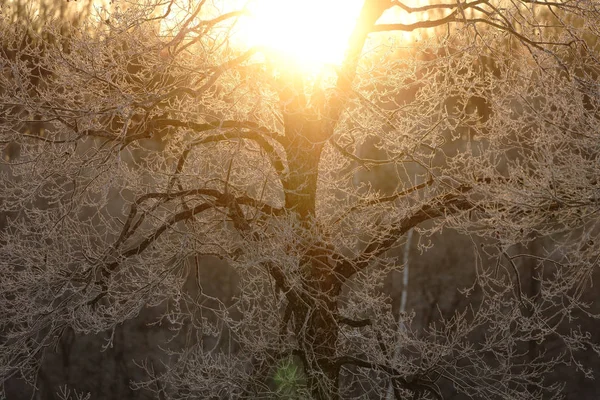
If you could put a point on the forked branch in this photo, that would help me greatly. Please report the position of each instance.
(222, 200)
(238, 130)
(438, 207)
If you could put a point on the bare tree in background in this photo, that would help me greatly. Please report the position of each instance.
(159, 149)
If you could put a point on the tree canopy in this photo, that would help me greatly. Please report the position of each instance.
(150, 135)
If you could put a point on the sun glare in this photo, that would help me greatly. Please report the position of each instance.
(308, 33)
(298, 34)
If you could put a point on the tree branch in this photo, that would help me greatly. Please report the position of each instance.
(221, 200)
(354, 323)
(243, 200)
(386, 199)
(206, 24)
(437, 207)
(217, 72)
(278, 275)
(108, 269)
(369, 14)
(250, 131)
(440, 6)
(417, 25)
(366, 163)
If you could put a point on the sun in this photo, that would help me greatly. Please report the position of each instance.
(299, 35)
(306, 33)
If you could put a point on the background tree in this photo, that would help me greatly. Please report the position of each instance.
(165, 140)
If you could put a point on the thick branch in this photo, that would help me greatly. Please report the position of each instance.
(181, 216)
(428, 7)
(242, 200)
(369, 14)
(354, 323)
(126, 232)
(417, 25)
(226, 124)
(249, 130)
(386, 199)
(438, 207)
(108, 269)
(221, 200)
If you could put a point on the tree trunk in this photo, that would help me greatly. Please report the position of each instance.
(303, 154)
(315, 316)
(318, 331)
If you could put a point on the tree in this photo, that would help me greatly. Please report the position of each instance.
(159, 146)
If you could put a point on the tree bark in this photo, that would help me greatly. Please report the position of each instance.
(317, 328)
